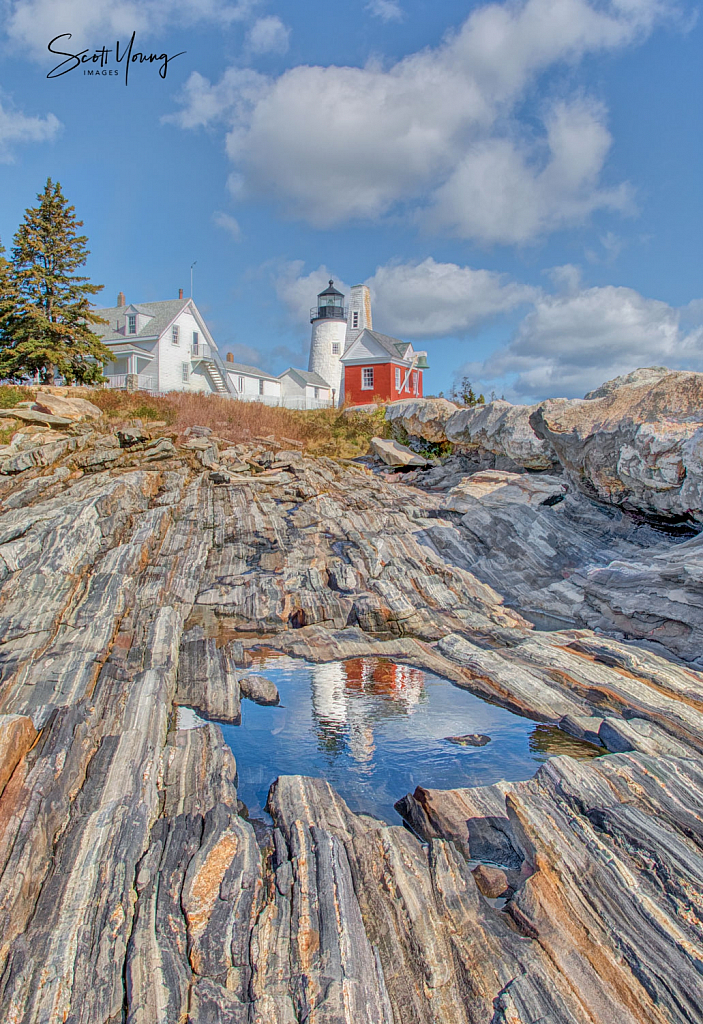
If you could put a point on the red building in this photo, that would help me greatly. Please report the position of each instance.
(379, 367)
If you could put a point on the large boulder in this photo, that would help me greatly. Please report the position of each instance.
(639, 447)
(394, 454)
(494, 486)
(644, 375)
(503, 430)
(422, 417)
(70, 408)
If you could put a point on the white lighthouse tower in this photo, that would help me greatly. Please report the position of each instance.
(329, 331)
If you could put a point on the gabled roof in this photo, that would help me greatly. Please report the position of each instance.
(304, 377)
(395, 348)
(161, 313)
(248, 371)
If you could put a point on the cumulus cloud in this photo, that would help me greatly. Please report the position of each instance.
(571, 342)
(386, 10)
(229, 224)
(440, 133)
(412, 300)
(429, 299)
(32, 23)
(17, 128)
(268, 35)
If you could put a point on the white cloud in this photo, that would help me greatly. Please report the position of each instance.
(268, 35)
(17, 128)
(441, 131)
(32, 23)
(228, 223)
(386, 10)
(412, 300)
(572, 342)
(429, 299)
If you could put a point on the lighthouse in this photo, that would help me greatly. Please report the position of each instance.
(329, 331)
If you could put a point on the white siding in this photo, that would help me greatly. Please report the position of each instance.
(172, 357)
(325, 334)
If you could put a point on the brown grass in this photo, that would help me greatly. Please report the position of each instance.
(322, 431)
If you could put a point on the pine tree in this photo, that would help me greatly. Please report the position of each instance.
(45, 310)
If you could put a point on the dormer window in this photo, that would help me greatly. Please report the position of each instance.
(175, 334)
(131, 323)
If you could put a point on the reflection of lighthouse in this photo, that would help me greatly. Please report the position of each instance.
(329, 702)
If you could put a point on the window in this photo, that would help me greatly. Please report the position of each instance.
(317, 392)
(261, 387)
(196, 338)
(335, 348)
(415, 383)
(131, 323)
(355, 318)
(397, 378)
(367, 378)
(175, 333)
(185, 370)
(240, 384)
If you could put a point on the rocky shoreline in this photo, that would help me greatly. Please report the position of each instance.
(138, 574)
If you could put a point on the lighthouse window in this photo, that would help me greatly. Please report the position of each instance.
(367, 378)
(335, 348)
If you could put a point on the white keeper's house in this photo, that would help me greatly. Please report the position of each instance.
(161, 346)
(166, 346)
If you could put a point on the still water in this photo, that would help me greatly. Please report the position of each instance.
(375, 730)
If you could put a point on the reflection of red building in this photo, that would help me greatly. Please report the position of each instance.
(382, 678)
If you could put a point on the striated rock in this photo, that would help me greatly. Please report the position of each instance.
(259, 689)
(505, 431)
(395, 454)
(132, 889)
(493, 486)
(422, 417)
(34, 416)
(640, 446)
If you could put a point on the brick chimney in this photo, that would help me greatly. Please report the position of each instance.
(180, 293)
(121, 301)
(230, 357)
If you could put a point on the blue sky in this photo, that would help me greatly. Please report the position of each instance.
(518, 183)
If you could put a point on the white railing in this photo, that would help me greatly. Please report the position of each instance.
(286, 401)
(144, 382)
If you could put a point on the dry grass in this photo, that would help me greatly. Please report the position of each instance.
(322, 431)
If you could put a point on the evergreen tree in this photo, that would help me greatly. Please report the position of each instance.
(45, 310)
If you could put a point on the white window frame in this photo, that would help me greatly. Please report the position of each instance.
(240, 385)
(398, 379)
(175, 335)
(415, 378)
(131, 323)
(185, 372)
(355, 318)
(335, 348)
(367, 378)
(261, 385)
(196, 342)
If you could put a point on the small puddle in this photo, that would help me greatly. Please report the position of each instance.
(376, 730)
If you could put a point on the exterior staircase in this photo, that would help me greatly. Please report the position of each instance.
(216, 376)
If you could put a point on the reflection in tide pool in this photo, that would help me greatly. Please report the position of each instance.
(374, 730)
